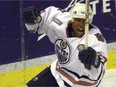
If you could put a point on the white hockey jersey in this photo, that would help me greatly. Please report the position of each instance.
(68, 69)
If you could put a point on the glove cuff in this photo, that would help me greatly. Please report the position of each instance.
(97, 62)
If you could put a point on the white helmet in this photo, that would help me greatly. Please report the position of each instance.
(78, 11)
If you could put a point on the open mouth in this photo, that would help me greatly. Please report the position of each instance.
(80, 30)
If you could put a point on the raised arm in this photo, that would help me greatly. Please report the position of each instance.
(51, 21)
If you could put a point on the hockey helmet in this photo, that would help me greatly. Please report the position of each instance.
(78, 11)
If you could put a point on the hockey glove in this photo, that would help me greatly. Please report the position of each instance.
(88, 57)
(31, 15)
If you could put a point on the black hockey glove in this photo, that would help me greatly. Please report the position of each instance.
(31, 15)
(88, 57)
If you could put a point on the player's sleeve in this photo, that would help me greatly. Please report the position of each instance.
(54, 23)
(98, 42)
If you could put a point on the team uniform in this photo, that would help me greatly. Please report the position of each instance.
(67, 69)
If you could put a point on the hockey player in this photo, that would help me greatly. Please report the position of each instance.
(74, 66)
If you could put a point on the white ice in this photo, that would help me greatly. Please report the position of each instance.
(109, 79)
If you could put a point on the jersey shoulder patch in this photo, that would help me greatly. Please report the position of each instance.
(100, 37)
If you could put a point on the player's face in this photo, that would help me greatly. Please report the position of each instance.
(79, 27)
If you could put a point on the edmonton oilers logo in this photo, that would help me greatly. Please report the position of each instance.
(62, 50)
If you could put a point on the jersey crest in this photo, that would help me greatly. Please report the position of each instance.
(62, 50)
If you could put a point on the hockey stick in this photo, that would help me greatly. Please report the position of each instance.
(86, 23)
(87, 28)
(72, 3)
